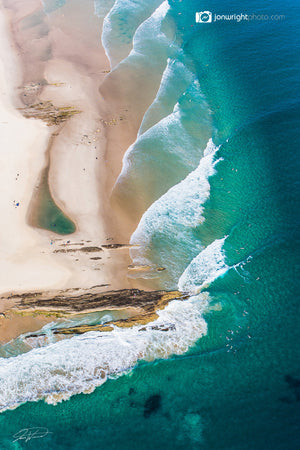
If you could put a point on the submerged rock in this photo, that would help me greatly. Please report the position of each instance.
(152, 405)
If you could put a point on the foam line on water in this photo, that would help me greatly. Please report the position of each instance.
(175, 80)
(126, 23)
(208, 265)
(150, 30)
(183, 203)
(173, 218)
(81, 363)
(165, 153)
(168, 129)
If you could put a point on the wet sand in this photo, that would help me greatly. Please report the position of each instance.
(55, 117)
(30, 311)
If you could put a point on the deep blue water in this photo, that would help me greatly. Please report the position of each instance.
(239, 386)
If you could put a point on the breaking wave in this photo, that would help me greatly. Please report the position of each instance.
(205, 268)
(80, 364)
(142, 24)
(166, 232)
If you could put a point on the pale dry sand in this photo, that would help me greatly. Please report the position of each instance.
(22, 266)
(61, 61)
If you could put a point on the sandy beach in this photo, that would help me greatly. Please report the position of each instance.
(54, 118)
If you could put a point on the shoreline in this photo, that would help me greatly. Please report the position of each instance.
(74, 135)
(32, 310)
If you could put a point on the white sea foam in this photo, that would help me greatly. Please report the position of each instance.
(164, 153)
(175, 80)
(204, 268)
(129, 22)
(81, 363)
(150, 32)
(168, 135)
(182, 205)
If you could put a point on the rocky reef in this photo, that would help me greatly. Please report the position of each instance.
(71, 302)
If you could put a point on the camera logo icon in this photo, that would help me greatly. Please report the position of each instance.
(204, 17)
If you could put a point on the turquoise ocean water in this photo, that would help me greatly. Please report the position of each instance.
(215, 164)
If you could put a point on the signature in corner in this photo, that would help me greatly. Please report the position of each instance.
(31, 433)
